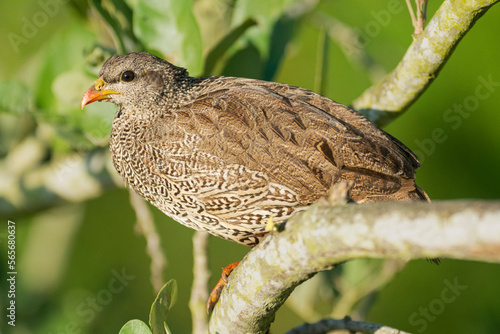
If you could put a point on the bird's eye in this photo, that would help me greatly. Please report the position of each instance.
(128, 76)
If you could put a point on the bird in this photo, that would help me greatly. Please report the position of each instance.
(227, 154)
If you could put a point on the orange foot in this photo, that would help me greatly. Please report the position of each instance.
(215, 294)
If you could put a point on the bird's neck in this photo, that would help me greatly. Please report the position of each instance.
(180, 92)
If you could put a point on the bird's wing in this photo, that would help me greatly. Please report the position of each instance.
(250, 141)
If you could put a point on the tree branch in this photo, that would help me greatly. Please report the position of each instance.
(146, 225)
(423, 60)
(412, 14)
(418, 21)
(325, 235)
(74, 177)
(199, 290)
(327, 325)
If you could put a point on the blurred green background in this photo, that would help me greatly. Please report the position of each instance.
(75, 239)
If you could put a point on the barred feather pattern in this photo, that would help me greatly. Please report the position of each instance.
(224, 154)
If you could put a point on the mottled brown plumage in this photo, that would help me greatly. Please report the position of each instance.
(224, 154)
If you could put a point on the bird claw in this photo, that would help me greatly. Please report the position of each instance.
(215, 294)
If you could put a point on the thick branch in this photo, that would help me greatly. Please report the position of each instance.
(424, 58)
(326, 235)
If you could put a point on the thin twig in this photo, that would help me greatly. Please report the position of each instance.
(145, 222)
(421, 17)
(424, 10)
(199, 290)
(412, 14)
(419, 27)
(418, 22)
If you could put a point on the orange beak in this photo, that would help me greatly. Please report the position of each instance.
(96, 93)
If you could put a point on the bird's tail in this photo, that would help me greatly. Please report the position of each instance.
(421, 194)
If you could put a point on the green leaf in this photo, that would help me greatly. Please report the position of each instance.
(161, 306)
(321, 76)
(220, 49)
(135, 327)
(262, 10)
(54, 60)
(274, 29)
(169, 26)
(281, 35)
(246, 62)
(119, 16)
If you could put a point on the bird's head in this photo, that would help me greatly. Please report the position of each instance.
(136, 79)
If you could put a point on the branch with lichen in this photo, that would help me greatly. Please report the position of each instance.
(326, 235)
(423, 60)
